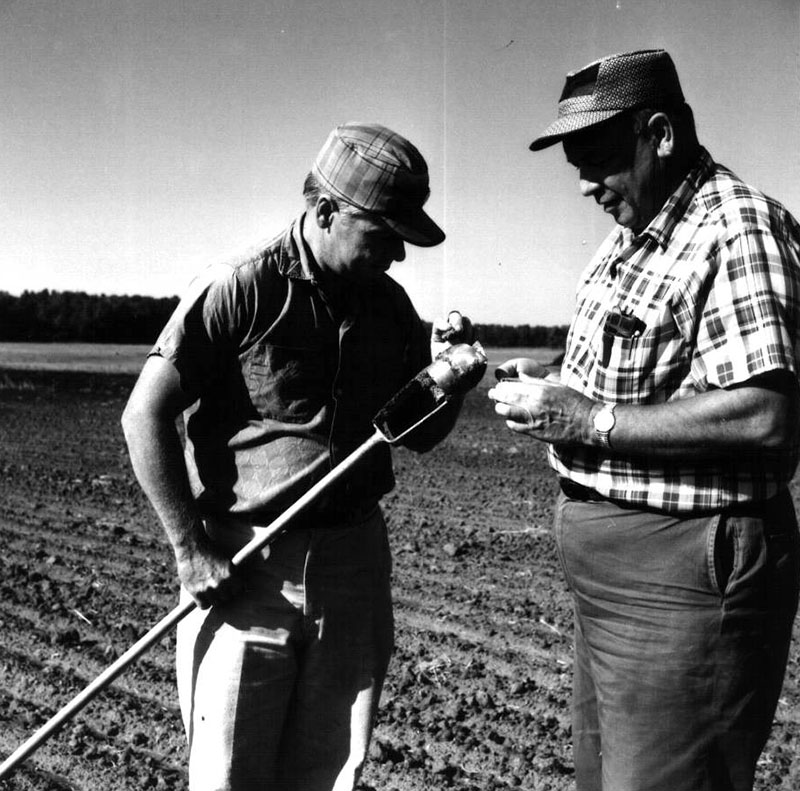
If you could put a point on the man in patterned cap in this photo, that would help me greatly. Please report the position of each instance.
(278, 362)
(673, 430)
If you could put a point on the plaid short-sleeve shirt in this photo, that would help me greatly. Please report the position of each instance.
(707, 296)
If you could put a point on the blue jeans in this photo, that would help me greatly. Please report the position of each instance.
(682, 630)
(279, 688)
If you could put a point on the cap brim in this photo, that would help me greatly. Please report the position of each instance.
(569, 125)
(416, 228)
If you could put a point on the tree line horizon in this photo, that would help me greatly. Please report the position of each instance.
(74, 316)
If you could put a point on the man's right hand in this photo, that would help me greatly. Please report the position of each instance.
(524, 368)
(157, 459)
(208, 576)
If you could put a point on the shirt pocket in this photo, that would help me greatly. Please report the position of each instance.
(654, 360)
(287, 383)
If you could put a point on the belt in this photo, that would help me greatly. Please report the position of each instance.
(778, 504)
(323, 517)
(577, 491)
(233, 531)
(350, 515)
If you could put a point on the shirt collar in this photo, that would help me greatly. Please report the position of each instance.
(297, 262)
(295, 257)
(662, 226)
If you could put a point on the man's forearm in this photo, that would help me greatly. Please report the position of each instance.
(157, 459)
(758, 417)
(744, 420)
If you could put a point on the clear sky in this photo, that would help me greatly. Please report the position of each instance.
(143, 139)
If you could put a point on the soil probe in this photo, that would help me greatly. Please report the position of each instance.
(455, 371)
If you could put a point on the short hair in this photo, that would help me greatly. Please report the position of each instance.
(311, 189)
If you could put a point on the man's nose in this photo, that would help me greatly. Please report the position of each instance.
(399, 253)
(588, 187)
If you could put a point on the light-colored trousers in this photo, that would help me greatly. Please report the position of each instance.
(279, 689)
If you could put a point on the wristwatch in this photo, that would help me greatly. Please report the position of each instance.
(604, 421)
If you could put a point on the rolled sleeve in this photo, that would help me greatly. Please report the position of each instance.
(746, 324)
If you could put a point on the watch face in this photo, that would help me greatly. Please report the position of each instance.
(604, 420)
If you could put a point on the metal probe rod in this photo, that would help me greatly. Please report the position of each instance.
(453, 372)
(274, 529)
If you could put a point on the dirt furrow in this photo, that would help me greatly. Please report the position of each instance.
(477, 696)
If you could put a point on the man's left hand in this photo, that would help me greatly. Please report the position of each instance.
(545, 410)
(450, 331)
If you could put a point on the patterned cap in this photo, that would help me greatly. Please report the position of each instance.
(379, 171)
(610, 86)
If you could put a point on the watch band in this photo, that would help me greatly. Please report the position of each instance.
(604, 422)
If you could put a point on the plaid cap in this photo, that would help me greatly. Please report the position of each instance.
(610, 86)
(379, 171)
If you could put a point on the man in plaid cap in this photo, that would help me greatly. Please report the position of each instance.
(278, 362)
(673, 430)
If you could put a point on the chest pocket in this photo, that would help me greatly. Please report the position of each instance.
(288, 383)
(655, 361)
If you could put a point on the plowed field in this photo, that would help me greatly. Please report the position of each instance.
(478, 691)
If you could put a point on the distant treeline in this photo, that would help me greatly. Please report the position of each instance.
(48, 316)
(76, 316)
(523, 335)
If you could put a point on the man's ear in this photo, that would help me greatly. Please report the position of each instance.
(324, 211)
(662, 134)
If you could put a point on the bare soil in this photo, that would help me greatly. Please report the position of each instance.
(478, 691)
